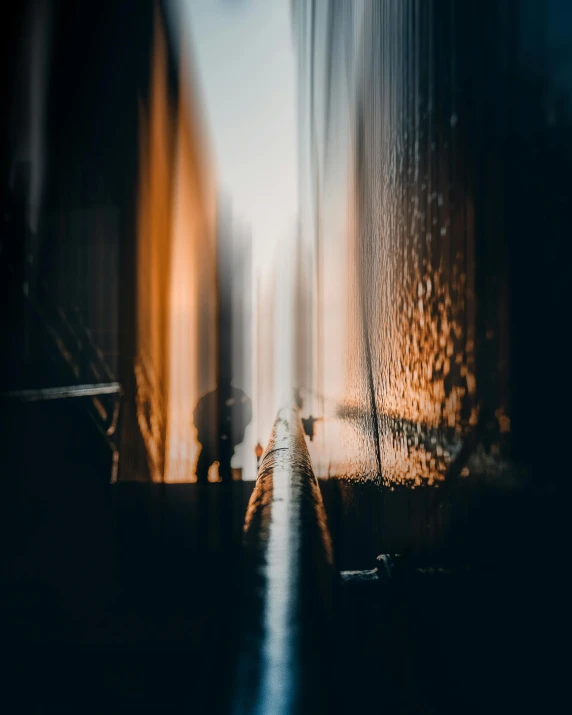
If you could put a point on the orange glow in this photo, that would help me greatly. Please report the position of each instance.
(175, 363)
(153, 255)
(422, 354)
(192, 293)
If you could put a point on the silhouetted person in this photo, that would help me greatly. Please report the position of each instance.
(221, 418)
(308, 424)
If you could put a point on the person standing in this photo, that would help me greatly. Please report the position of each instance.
(221, 417)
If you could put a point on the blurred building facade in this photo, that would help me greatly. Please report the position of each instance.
(177, 340)
(235, 290)
(423, 130)
(235, 356)
(73, 81)
(109, 244)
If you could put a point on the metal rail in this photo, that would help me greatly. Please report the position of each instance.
(285, 661)
(63, 392)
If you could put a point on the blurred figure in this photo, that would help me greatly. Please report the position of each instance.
(221, 418)
(308, 424)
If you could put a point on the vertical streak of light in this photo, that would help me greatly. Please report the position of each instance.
(38, 85)
(183, 358)
(176, 275)
(258, 360)
(279, 615)
(318, 219)
(153, 257)
(192, 343)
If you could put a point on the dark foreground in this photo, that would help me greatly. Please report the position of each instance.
(126, 598)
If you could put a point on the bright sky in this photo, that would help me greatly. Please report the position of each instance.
(244, 60)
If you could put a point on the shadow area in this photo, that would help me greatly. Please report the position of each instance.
(114, 598)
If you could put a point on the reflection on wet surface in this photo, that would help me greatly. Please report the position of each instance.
(389, 219)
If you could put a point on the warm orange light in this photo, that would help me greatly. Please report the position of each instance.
(153, 256)
(175, 363)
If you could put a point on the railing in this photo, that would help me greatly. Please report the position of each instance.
(80, 366)
(285, 656)
(86, 366)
